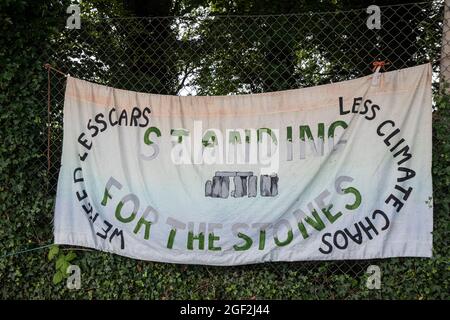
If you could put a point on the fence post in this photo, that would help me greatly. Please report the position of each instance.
(445, 48)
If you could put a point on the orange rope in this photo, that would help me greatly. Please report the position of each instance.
(380, 64)
(48, 66)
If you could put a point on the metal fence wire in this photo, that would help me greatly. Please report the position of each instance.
(204, 54)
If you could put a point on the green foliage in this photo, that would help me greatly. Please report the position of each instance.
(30, 35)
(53, 252)
(61, 264)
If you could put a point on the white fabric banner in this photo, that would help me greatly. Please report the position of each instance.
(338, 171)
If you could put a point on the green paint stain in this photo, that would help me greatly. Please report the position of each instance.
(262, 239)
(106, 196)
(331, 217)
(211, 239)
(303, 231)
(209, 139)
(148, 132)
(333, 127)
(357, 195)
(248, 242)
(235, 137)
(285, 242)
(317, 222)
(289, 134)
(268, 131)
(180, 133)
(119, 216)
(200, 238)
(146, 224)
(171, 238)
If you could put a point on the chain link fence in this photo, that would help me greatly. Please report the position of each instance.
(204, 54)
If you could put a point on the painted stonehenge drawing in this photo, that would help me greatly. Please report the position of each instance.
(244, 184)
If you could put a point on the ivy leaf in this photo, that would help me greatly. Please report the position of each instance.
(54, 250)
(59, 263)
(64, 267)
(70, 256)
(57, 277)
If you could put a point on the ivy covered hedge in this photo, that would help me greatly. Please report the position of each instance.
(26, 208)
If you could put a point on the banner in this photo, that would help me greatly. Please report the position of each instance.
(338, 171)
